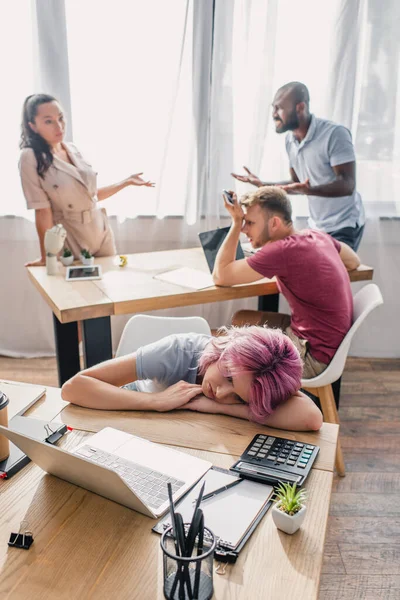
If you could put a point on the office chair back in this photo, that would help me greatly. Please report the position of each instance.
(145, 329)
(364, 302)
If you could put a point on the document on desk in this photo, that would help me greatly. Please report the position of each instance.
(229, 514)
(187, 277)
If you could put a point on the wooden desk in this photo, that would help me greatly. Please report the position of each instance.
(127, 290)
(89, 547)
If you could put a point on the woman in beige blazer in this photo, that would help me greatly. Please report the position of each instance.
(60, 185)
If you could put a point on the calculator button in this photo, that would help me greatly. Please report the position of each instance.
(262, 454)
(301, 466)
(255, 448)
(310, 448)
(299, 445)
(303, 462)
(251, 453)
(291, 462)
(281, 460)
(271, 457)
(270, 440)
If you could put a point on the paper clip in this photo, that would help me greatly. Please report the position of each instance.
(22, 539)
(221, 568)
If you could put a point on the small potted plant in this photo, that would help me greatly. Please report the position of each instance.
(86, 258)
(67, 257)
(289, 509)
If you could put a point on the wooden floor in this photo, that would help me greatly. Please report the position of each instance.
(362, 551)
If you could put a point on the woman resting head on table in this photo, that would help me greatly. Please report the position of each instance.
(247, 372)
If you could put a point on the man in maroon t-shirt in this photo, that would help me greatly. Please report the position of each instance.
(310, 267)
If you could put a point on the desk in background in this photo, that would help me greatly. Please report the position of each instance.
(129, 290)
(86, 546)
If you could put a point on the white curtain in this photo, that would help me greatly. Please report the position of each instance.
(182, 90)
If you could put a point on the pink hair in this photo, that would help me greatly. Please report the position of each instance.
(268, 354)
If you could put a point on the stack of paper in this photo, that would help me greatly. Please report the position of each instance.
(187, 277)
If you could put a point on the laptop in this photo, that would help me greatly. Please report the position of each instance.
(211, 241)
(119, 466)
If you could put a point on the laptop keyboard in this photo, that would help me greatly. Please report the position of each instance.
(149, 485)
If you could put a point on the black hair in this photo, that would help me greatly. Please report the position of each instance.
(298, 91)
(30, 139)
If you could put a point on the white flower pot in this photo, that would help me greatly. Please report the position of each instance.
(88, 262)
(67, 260)
(287, 523)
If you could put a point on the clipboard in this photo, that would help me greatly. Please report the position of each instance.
(44, 431)
(232, 515)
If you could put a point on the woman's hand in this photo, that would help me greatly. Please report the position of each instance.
(39, 262)
(175, 396)
(203, 404)
(137, 180)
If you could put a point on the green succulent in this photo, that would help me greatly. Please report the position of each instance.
(290, 500)
(85, 253)
(67, 252)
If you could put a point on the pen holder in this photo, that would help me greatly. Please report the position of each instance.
(188, 577)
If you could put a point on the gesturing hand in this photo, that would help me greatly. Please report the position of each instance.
(302, 188)
(249, 178)
(137, 180)
(176, 396)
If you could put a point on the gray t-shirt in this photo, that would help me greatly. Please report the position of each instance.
(325, 146)
(169, 360)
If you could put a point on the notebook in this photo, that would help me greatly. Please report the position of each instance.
(22, 396)
(193, 279)
(231, 515)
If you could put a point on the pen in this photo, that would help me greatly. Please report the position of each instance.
(221, 489)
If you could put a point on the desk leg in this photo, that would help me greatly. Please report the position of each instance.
(67, 349)
(269, 303)
(96, 334)
(336, 391)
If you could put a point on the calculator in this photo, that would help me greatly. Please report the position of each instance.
(276, 460)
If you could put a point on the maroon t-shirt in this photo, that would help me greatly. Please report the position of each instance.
(314, 281)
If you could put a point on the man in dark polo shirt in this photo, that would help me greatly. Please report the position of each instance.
(322, 166)
(310, 267)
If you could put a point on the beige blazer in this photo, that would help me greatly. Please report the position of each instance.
(70, 190)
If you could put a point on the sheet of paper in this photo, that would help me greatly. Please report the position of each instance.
(228, 514)
(187, 277)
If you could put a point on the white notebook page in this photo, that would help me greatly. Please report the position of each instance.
(228, 514)
(187, 277)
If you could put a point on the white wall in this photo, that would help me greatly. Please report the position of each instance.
(26, 327)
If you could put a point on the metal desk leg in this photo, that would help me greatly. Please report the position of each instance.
(67, 349)
(96, 334)
(269, 303)
(336, 391)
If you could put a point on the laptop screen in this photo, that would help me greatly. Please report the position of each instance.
(211, 242)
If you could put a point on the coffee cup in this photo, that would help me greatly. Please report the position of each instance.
(4, 443)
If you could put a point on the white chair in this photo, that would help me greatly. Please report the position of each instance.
(368, 298)
(145, 329)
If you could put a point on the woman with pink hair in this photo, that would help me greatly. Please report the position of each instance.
(246, 372)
